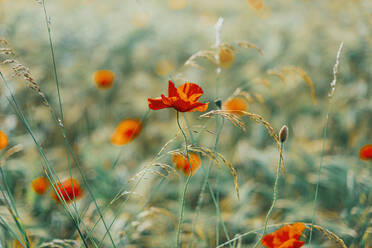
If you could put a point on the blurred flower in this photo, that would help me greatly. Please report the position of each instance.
(177, 4)
(164, 67)
(40, 185)
(286, 237)
(235, 105)
(104, 79)
(183, 99)
(140, 19)
(365, 152)
(181, 162)
(225, 57)
(126, 131)
(16, 243)
(3, 140)
(67, 189)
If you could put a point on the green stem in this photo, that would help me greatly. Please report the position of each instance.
(319, 173)
(180, 221)
(275, 196)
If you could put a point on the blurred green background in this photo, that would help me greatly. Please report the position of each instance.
(145, 43)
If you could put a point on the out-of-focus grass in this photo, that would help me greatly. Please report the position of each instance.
(147, 42)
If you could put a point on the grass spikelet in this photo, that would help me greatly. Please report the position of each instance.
(246, 44)
(257, 118)
(61, 243)
(206, 54)
(276, 73)
(10, 152)
(305, 77)
(216, 157)
(233, 118)
(329, 235)
(169, 169)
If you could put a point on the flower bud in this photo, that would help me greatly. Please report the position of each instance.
(283, 134)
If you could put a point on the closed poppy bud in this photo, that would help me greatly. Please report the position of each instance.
(182, 163)
(365, 152)
(104, 79)
(40, 185)
(235, 105)
(283, 134)
(3, 140)
(226, 57)
(67, 190)
(126, 131)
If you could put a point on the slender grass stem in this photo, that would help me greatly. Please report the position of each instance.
(180, 221)
(318, 178)
(61, 124)
(275, 196)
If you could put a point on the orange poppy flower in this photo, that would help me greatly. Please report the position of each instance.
(17, 244)
(365, 152)
(226, 57)
(67, 189)
(40, 185)
(104, 79)
(181, 162)
(126, 131)
(286, 237)
(3, 140)
(183, 99)
(235, 105)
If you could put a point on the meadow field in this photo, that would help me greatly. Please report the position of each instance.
(186, 123)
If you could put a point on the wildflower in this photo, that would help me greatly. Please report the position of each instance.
(286, 237)
(126, 131)
(104, 79)
(235, 105)
(225, 57)
(66, 190)
(365, 152)
(183, 99)
(3, 140)
(17, 244)
(164, 67)
(177, 4)
(40, 185)
(181, 162)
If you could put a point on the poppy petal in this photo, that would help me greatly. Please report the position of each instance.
(292, 243)
(156, 103)
(201, 107)
(191, 89)
(172, 90)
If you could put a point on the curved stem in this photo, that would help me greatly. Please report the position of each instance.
(180, 221)
(275, 196)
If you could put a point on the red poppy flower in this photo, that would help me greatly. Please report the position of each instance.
(286, 237)
(3, 140)
(181, 162)
(126, 131)
(40, 185)
(67, 189)
(183, 99)
(365, 152)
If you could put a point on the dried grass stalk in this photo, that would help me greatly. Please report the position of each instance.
(305, 77)
(246, 44)
(215, 156)
(237, 122)
(328, 234)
